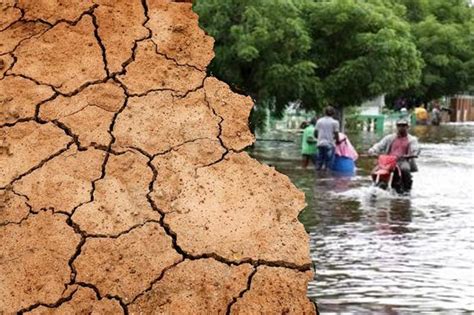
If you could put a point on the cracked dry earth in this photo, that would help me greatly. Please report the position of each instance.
(123, 184)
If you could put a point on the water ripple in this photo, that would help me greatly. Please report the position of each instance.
(410, 255)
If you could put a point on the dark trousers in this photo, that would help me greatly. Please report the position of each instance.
(325, 156)
(309, 157)
(406, 180)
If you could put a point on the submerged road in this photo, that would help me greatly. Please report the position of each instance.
(394, 255)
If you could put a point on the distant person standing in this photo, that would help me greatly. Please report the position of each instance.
(308, 145)
(404, 113)
(327, 133)
(421, 115)
(436, 115)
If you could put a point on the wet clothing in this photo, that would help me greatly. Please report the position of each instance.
(325, 156)
(406, 180)
(345, 148)
(421, 115)
(384, 146)
(399, 147)
(308, 144)
(327, 127)
(435, 117)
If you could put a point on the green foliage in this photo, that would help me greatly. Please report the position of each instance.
(262, 48)
(444, 33)
(351, 121)
(259, 117)
(415, 10)
(363, 50)
(340, 52)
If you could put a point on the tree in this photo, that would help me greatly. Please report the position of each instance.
(262, 48)
(362, 49)
(318, 52)
(443, 33)
(415, 10)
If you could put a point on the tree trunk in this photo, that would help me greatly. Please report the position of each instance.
(342, 120)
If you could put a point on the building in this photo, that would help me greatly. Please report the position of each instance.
(461, 108)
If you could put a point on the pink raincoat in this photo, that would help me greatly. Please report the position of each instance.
(345, 148)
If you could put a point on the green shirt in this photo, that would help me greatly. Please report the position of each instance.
(308, 148)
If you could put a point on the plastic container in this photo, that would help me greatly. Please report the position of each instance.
(343, 165)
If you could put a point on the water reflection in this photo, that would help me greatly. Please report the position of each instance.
(393, 255)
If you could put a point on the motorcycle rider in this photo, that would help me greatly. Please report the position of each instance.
(404, 146)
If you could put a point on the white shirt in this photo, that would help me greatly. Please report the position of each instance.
(326, 127)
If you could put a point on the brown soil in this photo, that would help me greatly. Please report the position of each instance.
(123, 185)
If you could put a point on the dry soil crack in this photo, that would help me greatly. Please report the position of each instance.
(115, 236)
(108, 151)
(43, 162)
(241, 294)
(181, 251)
(174, 60)
(12, 51)
(107, 146)
(101, 44)
(72, 22)
(13, 22)
(54, 305)
(160, 277)
(16, 122)
(135, 44)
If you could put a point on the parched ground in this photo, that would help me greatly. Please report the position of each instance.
(123, 184)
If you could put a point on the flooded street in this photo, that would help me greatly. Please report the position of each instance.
(394, 255)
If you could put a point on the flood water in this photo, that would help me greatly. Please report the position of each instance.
(394, 255)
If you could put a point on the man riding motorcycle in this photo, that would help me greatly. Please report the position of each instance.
(405, 147)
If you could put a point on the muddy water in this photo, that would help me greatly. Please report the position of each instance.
(393, 255)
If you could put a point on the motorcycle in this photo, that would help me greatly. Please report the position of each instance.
(387, 175)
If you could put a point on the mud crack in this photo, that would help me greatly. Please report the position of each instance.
(224, 136)
(54, 305)
(150, 287)
(43, 162)
(174, 60)
(181, 251)
(241, 294)
(22, 14)
(135, 46)
(102, 176)
(99, 41)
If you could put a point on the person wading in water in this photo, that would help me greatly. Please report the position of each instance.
(327, 132)
(405, 147)
(308, 145)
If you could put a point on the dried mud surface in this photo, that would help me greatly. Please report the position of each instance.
(123, 185)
